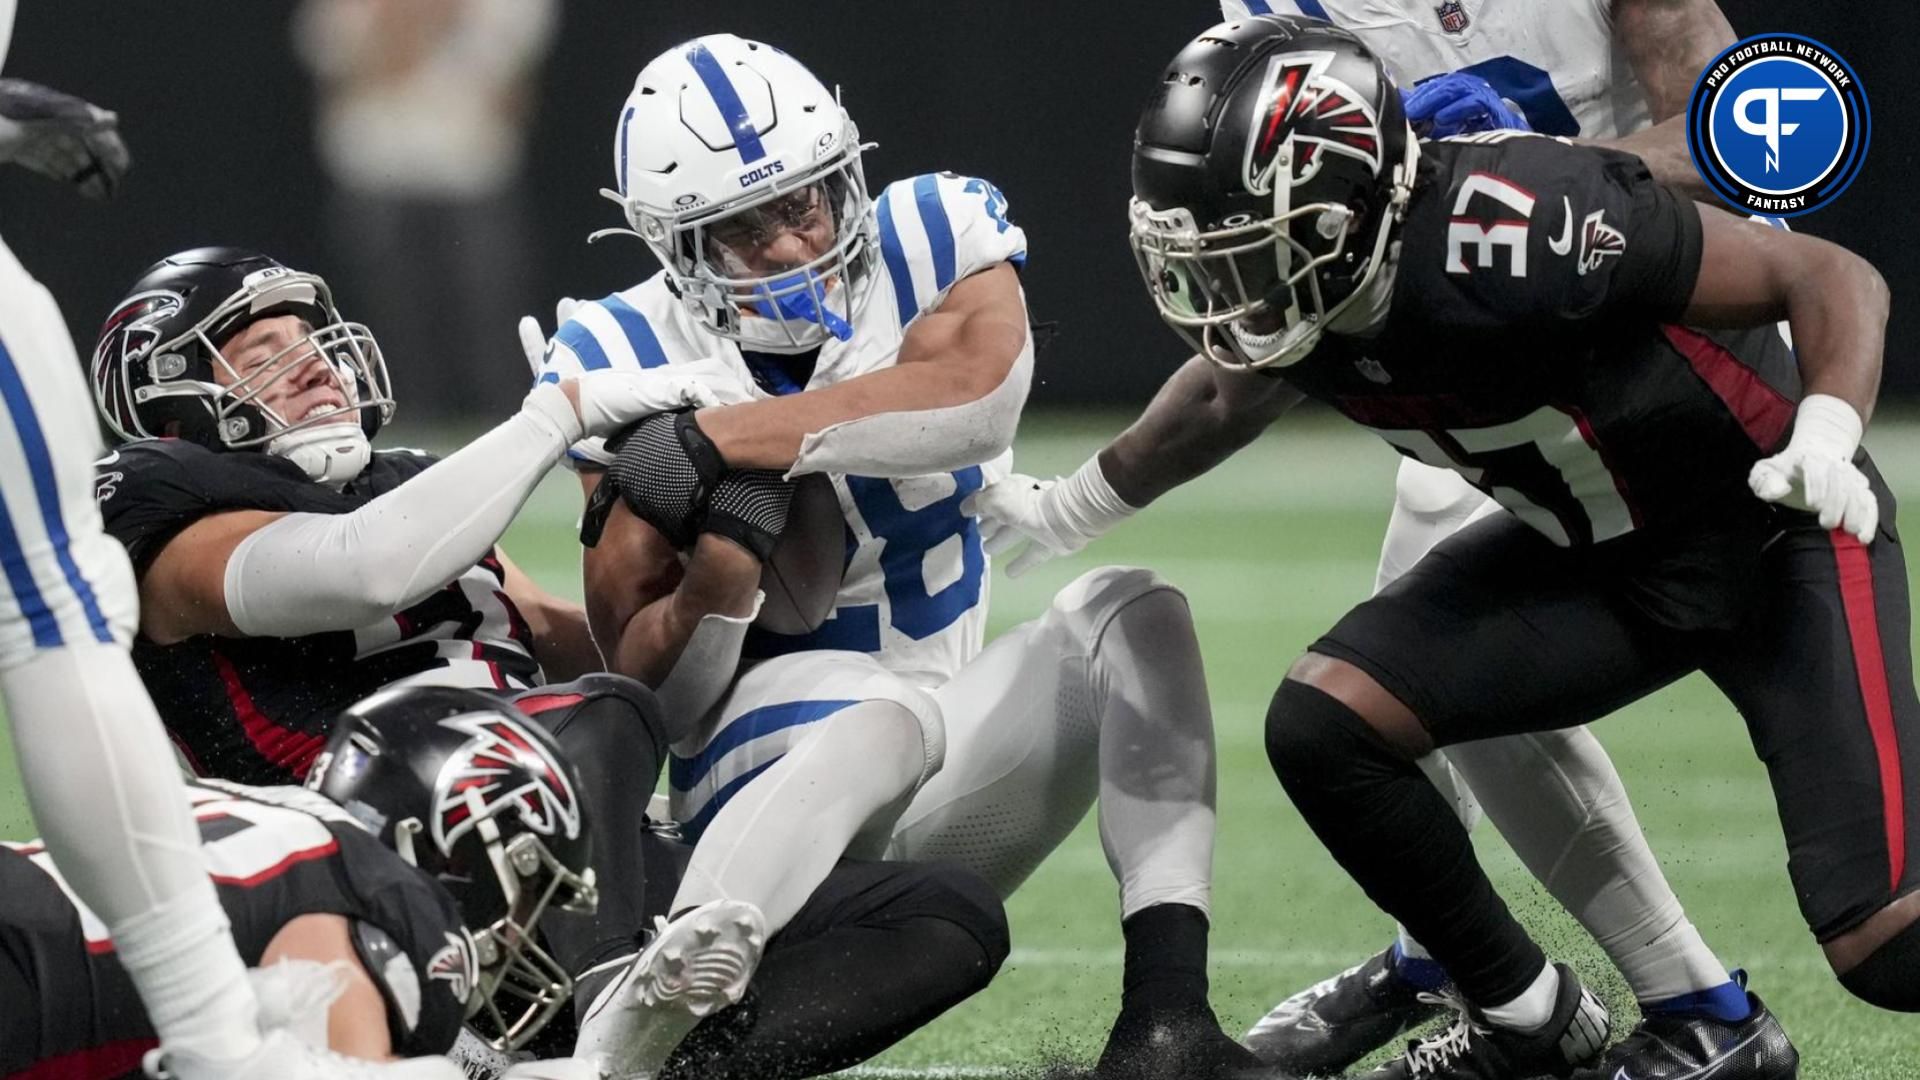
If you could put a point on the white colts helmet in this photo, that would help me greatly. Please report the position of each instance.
(729, 139)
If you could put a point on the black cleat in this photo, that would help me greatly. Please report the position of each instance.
(1183, 1044)
(1701, 1048)
(1472, 1049)
(1332, 1024)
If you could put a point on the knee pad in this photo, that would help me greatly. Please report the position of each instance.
(1315, 741)
(964, 898)
(1890, 977)
(603, 718)
(1091, 601)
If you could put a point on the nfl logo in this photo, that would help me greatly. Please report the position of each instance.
(1453, 16)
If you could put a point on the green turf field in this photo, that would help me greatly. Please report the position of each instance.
(1271, 549)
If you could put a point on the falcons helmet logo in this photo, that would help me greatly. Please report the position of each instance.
(129, 334)
(1315, 115)
(501, 764)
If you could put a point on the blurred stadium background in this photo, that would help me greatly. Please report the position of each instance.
(219, 109)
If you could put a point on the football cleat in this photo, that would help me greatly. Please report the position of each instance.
(1164, 1044)
(1332, 1024)
(1702, 1047)
(1472, 1049)
(283, 1056)
(696, 965)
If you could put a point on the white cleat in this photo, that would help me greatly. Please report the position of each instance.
(697, 965)
(283, 1056)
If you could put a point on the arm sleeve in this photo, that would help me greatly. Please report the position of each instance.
(307, 573)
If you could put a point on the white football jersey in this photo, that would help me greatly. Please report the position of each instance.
(915, 591)
(1556, 59)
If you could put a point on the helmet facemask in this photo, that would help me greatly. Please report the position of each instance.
(1289, 271)
(329, 443)
(521, 986)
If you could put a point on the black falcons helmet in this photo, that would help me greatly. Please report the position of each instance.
(157, 369)
(1270, 169)
(466, 788)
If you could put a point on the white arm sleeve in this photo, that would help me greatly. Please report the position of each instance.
(308, 573)
(926, 441)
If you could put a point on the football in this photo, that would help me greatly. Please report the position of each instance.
(804, 575)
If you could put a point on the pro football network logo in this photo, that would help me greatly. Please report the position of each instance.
(1778, 125)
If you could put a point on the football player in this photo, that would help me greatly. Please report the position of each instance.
(1624, 400)
(287, 569)
(454, 832)
(92, 756)
(1618, 75)
(883, 343)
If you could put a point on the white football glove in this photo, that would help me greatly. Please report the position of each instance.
(533, 341)
(1057, 517)
(61, 136)
(610, 399)
(1816, 472)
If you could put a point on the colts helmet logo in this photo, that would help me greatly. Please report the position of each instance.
(1302, 109)
(128, 335)
(485, 765)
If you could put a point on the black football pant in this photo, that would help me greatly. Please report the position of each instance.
(1498, 631)
(878, 951)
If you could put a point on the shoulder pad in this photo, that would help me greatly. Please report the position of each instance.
(938, 228)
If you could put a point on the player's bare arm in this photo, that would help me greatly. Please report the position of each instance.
(1834, 300)
(1668, 43)
(644, 606)
(357, 1019)
(1200, 417)
(562, 641)
(951, 357)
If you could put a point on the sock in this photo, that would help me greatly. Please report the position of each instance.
(1727, 1002)
(1532, 1010)
(1416, 969)
(1166, 960)
(1389, 828)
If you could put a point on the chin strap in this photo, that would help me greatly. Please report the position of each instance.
(330, 454)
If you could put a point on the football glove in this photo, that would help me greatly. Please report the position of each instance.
(61, 136)
(665, 469)
(1457, 103)
(1816, 472)
(749, 507)
(1055, 517)
(533, 342)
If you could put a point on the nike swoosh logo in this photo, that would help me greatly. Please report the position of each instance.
(1563, 243)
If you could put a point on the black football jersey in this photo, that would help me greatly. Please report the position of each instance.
(257, 710)
(1532, 346)
(69, 1010)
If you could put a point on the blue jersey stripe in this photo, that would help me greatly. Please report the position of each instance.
(690, 830)
(40, 468)
(1259, 7)
(1315, 9)
(646, 345)
(933, 216)
(896, 260)
(46, 629)
(684, 773)
(626, 122)
(734, 111)
(577, 337)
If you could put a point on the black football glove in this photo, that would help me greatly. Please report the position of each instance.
(665, 469)
(749, 507)
(61, 136)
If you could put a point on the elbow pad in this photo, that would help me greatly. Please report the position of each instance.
(923, 441)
